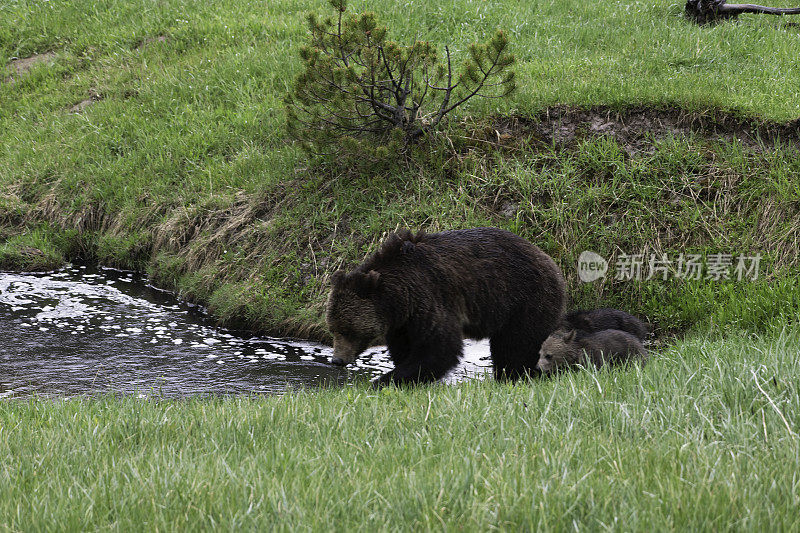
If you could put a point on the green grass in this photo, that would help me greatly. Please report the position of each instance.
(570, 52)
(180, 167)
(704, 437)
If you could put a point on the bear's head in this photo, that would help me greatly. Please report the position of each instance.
(558, 350)
(352, 316)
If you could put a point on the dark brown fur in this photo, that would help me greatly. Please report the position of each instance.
(607, 347)
(599, 319)
(423, 293)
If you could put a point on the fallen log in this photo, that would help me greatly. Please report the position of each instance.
(710, 11)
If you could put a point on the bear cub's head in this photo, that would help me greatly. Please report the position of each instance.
(559, 350)
(352, 316)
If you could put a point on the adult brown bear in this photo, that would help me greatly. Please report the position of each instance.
(422, 294)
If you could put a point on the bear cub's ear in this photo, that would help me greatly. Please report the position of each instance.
(569, 336)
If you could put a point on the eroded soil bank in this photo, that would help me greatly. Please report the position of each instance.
(636, 128)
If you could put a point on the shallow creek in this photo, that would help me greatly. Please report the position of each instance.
(80, 331)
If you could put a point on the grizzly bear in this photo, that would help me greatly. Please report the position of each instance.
(422, 294)
(600, 319)
(609, 346)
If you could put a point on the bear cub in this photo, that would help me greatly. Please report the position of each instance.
(606, 318)
(422, 294)
(609, 346)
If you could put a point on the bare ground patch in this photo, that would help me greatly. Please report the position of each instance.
(20, 66)
(93, 97)
(150, 40)
(636, 128)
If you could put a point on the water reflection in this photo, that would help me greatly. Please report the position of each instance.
(79, 331)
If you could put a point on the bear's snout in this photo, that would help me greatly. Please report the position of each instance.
(345, 350)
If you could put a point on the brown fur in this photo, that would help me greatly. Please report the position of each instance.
(610, 346)
(606, 318)
(423, 293)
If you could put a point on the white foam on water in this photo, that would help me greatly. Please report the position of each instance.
(80, 304)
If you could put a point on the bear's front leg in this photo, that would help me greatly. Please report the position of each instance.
(384, 381)
(393, 377)
(515, 352)
(422, 360)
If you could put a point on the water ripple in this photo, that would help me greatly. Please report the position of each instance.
(78, 331)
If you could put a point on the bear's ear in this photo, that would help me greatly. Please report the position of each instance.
(337, 278)
(366, 284)
(569, 336)
(407, 247)
(372, 279)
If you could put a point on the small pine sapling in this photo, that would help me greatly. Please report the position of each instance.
(357, 84)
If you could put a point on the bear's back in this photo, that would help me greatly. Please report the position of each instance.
(484, 276)
(491, 261)
(590, 321)
(612, 346)
(465, 250)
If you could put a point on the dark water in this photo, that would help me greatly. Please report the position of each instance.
(78, 331)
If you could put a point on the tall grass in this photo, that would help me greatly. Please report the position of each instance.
(705, 437)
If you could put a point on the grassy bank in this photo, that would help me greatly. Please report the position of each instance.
(155, 142)
(702, 438)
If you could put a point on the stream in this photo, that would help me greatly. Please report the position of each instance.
(82, 331)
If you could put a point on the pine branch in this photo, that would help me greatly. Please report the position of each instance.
(359, 84)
